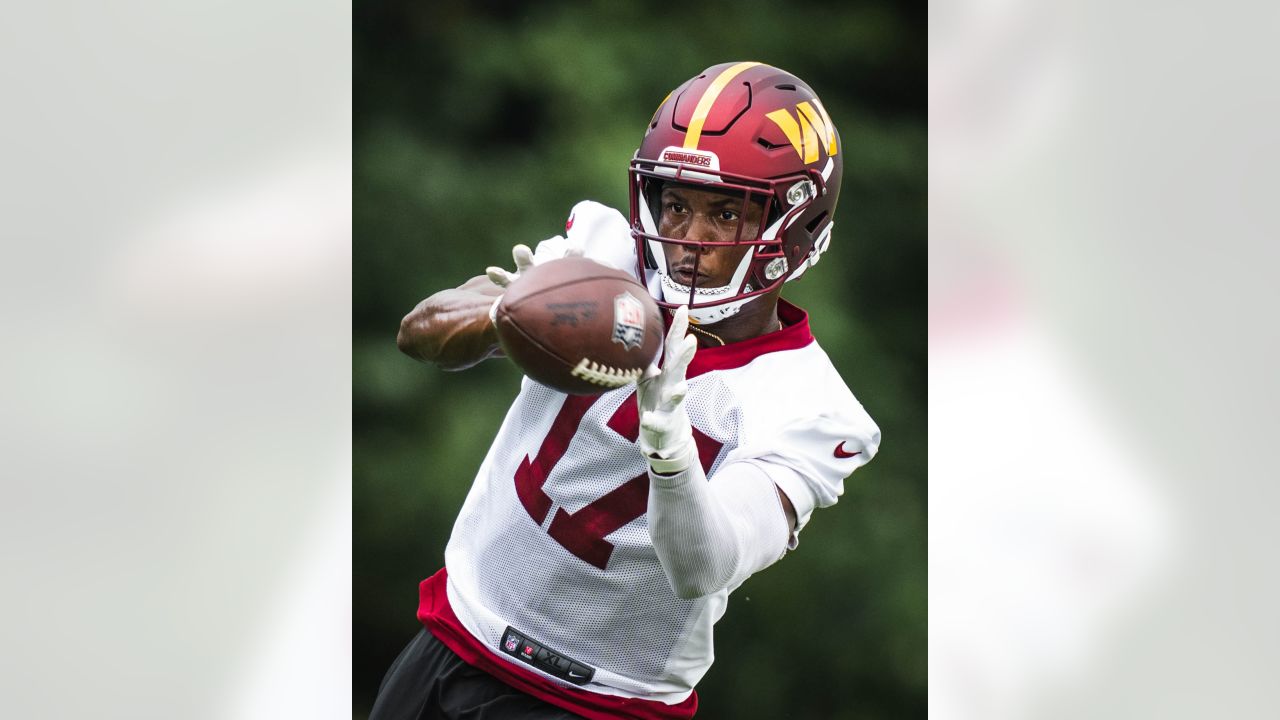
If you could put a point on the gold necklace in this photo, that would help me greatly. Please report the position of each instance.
(717, 338)
(711, 335)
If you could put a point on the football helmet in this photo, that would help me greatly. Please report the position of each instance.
(762, 134)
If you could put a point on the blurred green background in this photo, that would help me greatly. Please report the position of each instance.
(477, 126)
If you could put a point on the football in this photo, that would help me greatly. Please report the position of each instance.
(579, 327)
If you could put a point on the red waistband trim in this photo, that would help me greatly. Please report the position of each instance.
(436, 614)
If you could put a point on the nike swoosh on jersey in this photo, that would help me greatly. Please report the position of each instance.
(842, 453)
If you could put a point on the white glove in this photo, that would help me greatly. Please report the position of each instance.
(666, 437)
(525, 258)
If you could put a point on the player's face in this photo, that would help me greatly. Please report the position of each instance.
(688, 213)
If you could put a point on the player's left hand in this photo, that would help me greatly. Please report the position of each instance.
(526, 258)
(666, 437)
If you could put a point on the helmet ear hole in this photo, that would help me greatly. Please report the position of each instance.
(812, 226)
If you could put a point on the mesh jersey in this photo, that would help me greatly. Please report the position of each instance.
(553, 538)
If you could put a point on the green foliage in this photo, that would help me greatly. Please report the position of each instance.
(479, 126)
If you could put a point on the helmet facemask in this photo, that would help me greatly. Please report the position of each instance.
(762, 268)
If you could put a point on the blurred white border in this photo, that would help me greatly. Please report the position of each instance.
(1102, 359)
(176, 195)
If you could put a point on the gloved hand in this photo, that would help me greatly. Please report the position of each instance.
(666, 437)
(525, 258)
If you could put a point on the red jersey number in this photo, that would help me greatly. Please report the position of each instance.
(582, 533)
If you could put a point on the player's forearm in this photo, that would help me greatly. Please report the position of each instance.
(694, 539)
(451, 329)
(713, 535)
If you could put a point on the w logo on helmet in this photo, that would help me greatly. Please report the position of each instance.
(808, 130)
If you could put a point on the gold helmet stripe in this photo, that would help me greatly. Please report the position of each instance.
(708, 99)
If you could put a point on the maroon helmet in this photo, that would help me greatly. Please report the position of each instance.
(758, 132)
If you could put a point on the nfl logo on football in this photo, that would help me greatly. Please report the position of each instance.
(628, 321)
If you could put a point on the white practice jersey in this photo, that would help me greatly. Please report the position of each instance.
(553, 539)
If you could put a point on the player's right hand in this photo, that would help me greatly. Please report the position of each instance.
(666, 437)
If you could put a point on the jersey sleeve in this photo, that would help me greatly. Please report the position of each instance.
(605, 235)
(809, 458)
(602, 232)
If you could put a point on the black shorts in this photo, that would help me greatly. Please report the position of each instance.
(429, 682)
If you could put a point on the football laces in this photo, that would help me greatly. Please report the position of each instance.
(603, 375)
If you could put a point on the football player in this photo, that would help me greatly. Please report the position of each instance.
(603, 534)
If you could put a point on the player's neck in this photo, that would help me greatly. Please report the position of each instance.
(756, 318)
